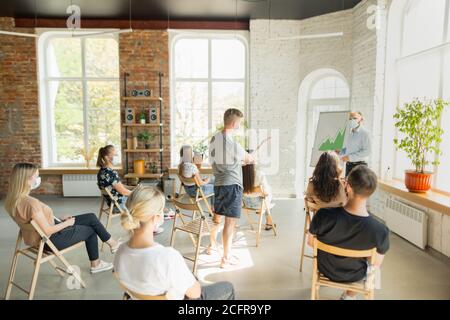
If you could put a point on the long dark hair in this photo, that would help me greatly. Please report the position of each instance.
(325, 178)
(248, 177)
(102, 153)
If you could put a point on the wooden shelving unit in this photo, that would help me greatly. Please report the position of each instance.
(142, 150)
(133, 127)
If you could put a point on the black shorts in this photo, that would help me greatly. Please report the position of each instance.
(228, 200)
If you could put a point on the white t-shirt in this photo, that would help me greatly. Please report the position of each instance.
(153, 271)
(188, 170)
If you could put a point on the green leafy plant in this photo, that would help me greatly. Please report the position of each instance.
(419, 122)
(200, 147)
(153, 167)
(145, 136)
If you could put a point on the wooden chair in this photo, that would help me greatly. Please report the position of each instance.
(199, 197)
(39, 255)
(264, 209)
(310, 209)
(366, 288)
(108, 210)
(131, 295)
(197, 228)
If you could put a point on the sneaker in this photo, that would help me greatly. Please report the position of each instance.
(114, 249)
(102, 266)
(345, 296)
(158, 231)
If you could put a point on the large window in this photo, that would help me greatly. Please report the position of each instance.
(423, 71)
(328, 93)
(80, 102)
(208, 76)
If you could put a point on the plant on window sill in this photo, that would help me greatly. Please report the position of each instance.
(87, 155)
(419, 122)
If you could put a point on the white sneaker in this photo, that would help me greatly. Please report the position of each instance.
(344, 296)
(102, 266)
(158, 231)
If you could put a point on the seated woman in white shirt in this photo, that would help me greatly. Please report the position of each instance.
(188, 169)
(252, 178)
(149, 268)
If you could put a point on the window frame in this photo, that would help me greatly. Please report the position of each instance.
(174, 37)
(47, 122)
(402, 57)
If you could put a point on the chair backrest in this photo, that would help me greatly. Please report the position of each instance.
(370, 254)
(191, 180)
(106, 192)
(311, 206)
(138, 296)
(258, 190)
(32, 226)
(195, 206)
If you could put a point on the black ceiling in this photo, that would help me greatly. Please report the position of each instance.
(179, 9)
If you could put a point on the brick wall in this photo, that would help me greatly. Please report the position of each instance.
(142, 53)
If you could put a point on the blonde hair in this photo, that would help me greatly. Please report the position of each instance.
(231, 115)
(142, 204)
(18, 185)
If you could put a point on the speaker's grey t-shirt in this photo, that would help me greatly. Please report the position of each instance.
(226, 158)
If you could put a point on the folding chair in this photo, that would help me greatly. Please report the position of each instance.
(366, 287)
(39, 255)
(310, 209)
(197, 228)
(131, 295)
(264, 209)
(200, 195)
(108, 210)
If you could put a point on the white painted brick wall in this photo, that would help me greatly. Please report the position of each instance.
(277, 69)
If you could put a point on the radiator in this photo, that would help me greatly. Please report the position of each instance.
(80, 185)
(408, 222)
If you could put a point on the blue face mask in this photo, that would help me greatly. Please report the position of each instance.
(353, 123)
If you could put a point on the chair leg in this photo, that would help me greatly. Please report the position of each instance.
(108, 220)
(55, 266)
(302, 250)
(258, 232)
(172, 237)
(12, 273)
(66, 264)
(37, 266)
(197, 251)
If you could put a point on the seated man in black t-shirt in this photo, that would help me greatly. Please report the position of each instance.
(350, 227)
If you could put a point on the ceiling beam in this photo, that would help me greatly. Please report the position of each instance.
(136, 24)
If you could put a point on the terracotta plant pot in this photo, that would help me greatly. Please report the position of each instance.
(418, 182)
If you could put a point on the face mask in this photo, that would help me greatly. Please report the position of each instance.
(353, 123)
(115, 160)
(36, 183)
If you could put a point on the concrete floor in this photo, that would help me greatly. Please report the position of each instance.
(267, 272)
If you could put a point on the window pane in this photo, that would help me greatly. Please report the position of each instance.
(103, 114)
(329, 88)
(228, 59)
(226, 95)
(66, 99)
(419, 77)
(191, 58)
(102, 57)
(64, 57)
(191, 114)
(443, 176)
(423, 25)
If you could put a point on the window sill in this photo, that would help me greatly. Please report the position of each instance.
(433, 199)
(70, 170)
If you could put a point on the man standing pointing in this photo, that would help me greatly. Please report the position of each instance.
(357, 145)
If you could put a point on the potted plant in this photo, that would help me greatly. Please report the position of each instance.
(142, 117)
(146, 137)
(199, 153)
(153, 167)
(419, 122)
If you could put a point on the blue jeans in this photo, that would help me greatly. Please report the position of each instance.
(222, 290)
